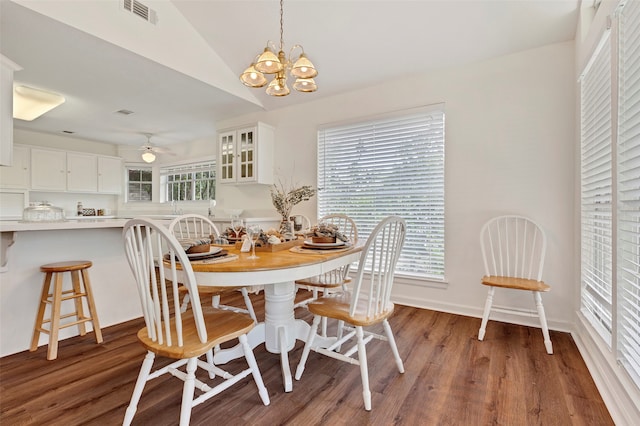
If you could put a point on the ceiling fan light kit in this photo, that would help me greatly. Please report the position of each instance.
(300, 68)
(148, 156)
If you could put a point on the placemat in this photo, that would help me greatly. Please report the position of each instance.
(219, 259)
(305, 250)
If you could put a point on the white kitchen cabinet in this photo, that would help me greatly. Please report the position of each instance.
(58, 170)
(245, 155)
(17, 175)
(48, 170)
(82, 172)
(7, 68)
(110, 175)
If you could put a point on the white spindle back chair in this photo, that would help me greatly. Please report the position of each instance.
(171, 333)
(193, 225)
(513, 250)
(337, 278)
(368, 303)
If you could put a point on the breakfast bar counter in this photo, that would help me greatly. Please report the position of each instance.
(28, 245)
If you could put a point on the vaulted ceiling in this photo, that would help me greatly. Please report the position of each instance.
(179, 85)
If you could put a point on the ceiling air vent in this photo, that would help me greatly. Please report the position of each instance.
(140, 10)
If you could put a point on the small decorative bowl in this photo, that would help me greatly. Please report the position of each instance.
(323, 240)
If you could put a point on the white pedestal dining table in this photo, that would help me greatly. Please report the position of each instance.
(276, 271)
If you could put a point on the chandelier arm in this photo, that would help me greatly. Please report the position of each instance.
(291, 52)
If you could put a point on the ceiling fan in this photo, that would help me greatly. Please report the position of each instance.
(149, 151)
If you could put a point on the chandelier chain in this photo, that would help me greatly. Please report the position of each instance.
(281, 26)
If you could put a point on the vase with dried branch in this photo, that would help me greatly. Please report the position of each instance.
(284, 199)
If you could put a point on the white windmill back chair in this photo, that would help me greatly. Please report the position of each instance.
(337, 278)
(513, 249)
(171, 333)
(194, 226)
(367, 304)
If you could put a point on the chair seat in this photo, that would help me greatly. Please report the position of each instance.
(324, 281)
(221, 327)
(337, 306)
(515, 283)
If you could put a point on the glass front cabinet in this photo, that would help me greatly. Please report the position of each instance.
(245, 155)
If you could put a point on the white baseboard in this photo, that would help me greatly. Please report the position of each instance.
(619, 394)
(513, 317)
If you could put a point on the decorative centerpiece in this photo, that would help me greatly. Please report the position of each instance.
(326, 233)
(284, 200)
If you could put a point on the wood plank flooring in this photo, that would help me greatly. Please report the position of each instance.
(450, 379)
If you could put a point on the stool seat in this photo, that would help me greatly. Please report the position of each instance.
(71, 265)
(53, 295)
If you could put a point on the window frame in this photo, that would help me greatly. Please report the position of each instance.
(189, 172)
(141, 168)
(619, 335)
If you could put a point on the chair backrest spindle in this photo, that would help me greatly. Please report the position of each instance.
(157, 280)
(376, 268)
(513, 246)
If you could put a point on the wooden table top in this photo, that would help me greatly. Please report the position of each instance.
(272, 260)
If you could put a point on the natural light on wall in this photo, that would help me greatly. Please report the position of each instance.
(30, 103)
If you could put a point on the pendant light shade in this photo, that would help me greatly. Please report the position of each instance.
(252, 77)
(300, 68)
(305, 85)
(303, 68)
(268, 62)
(278, 87)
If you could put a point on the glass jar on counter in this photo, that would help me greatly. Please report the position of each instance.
(42, 212)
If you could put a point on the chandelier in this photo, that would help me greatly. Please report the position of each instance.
(268, 62)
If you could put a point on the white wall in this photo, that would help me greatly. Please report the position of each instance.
(509, 149)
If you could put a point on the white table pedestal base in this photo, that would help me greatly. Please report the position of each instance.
(278, 332)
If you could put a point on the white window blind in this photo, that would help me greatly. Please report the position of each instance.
(596, 191)
(628, 180)
(389, 166)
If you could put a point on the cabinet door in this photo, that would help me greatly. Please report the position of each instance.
(48, 170)
(82, 172)
(110, 175)
(17, 175)
(227, 157)
(246, 155)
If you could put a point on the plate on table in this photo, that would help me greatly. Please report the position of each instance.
(212, 251)
(311, 244)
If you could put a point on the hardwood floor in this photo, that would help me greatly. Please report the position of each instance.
(450, 379)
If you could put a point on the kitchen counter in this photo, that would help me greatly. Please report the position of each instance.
(17, 225)
(31, 245)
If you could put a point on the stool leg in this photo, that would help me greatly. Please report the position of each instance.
(52, 352)
(75, 280)
(92, 306)
(40, 315)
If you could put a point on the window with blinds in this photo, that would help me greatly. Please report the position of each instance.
(392, 165)
(189, 182)
(610, 189)
(628, 186)
(596, 190)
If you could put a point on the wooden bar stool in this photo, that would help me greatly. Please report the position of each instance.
(56, 295)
